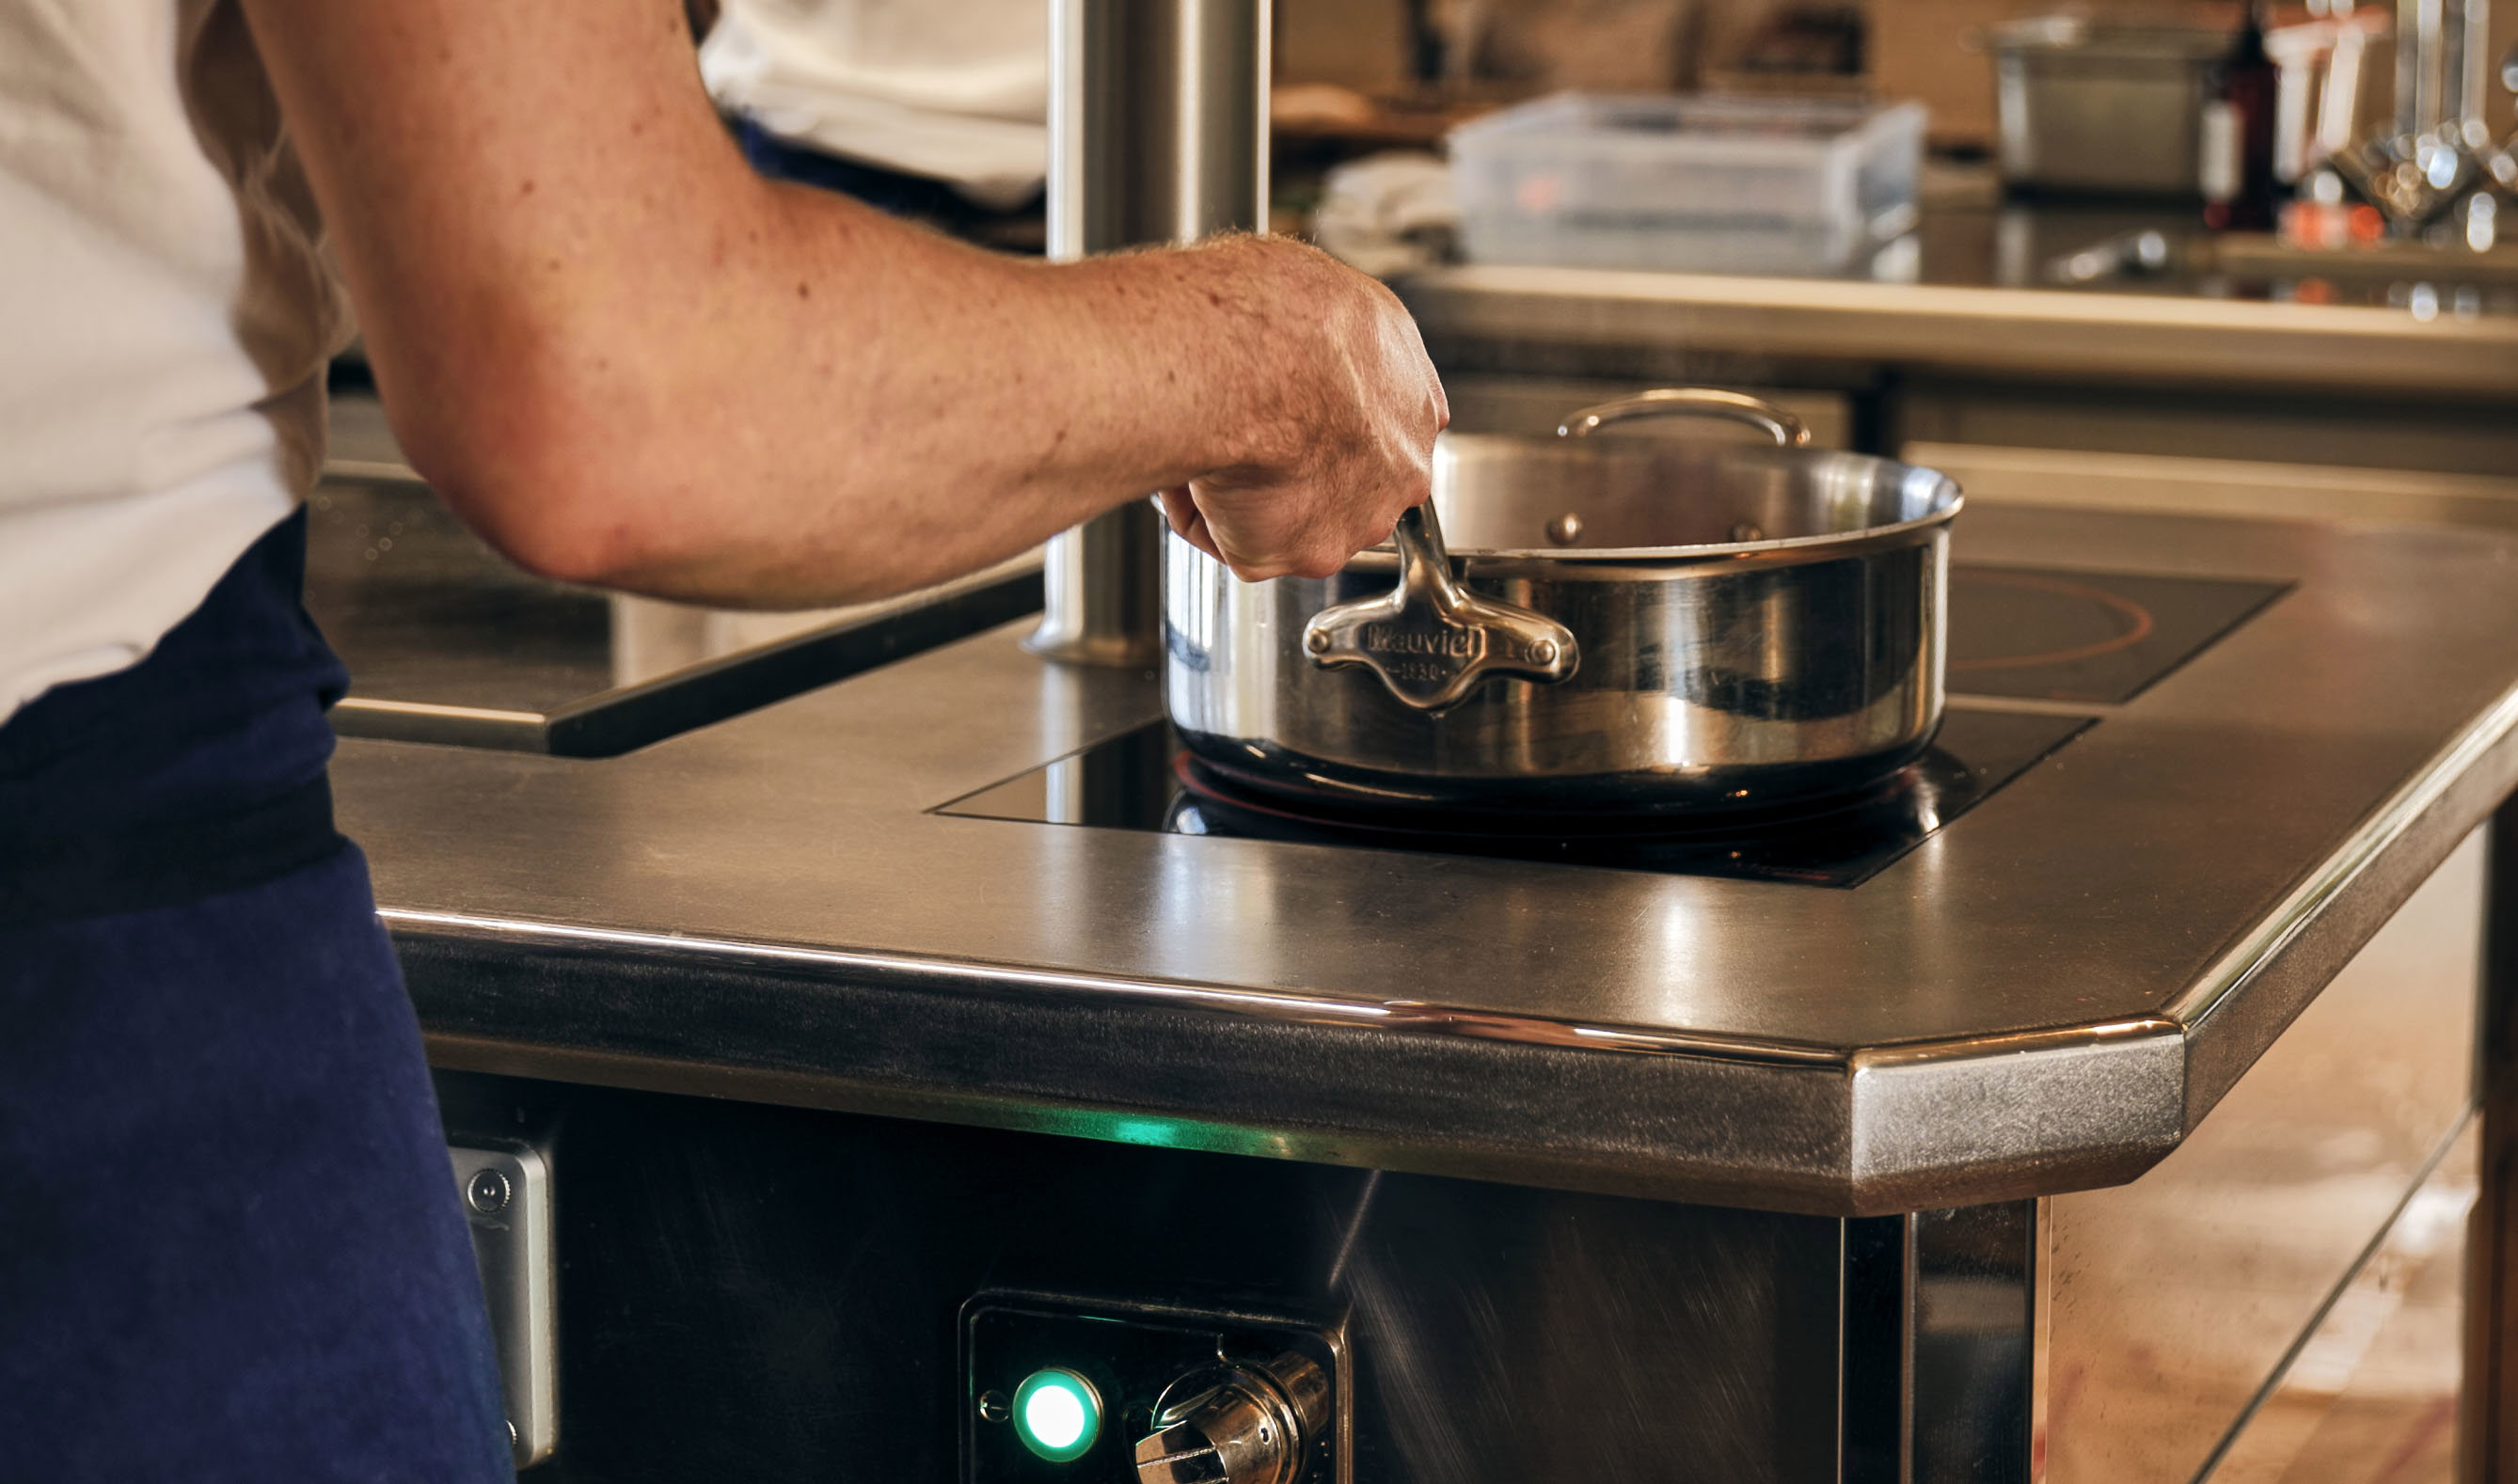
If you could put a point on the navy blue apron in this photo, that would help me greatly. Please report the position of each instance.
(230, 1247)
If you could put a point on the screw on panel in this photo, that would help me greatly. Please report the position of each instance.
(488, 1192)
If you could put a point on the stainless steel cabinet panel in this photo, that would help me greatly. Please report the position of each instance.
(2175, 1299)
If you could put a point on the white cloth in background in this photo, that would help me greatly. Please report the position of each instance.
(955, 90)
(165, 318)
(1388, 213)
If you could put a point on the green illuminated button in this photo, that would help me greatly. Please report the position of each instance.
(1057, 1415)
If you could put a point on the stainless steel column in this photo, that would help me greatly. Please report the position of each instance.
(1158, 133)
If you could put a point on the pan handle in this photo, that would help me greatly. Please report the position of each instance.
(1690, 401)
(1431, 640)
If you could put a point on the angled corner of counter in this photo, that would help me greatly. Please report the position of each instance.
(2008, 1118)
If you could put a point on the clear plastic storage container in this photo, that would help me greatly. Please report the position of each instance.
(1715, 184)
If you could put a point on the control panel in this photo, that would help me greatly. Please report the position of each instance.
(1062, 1390)
(506, 1199)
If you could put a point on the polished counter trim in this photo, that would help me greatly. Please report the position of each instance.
(2254, 990)
(1295, 1009)
(2390, 822)
(907, 1038)
(1896, 1129)
(523, 732)
(2139, 337)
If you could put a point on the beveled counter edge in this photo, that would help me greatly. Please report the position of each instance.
(2073, 334)
(2257, 986)
(1292, 1007)
(1818, 1130)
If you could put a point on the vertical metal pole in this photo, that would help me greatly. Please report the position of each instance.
(2488, 1445)
(1158, 133)
(1876, 1344)
(1941, 1345)
(1972, 1311)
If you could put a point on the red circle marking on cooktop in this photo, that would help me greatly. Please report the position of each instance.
(2136, 616)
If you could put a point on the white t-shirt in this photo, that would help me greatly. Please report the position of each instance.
(956, 90)
(165, 318)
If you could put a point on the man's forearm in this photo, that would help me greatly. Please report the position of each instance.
(629, 361)
(899, 409)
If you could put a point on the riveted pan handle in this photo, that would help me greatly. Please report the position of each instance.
(1788, 431)
(1431, 640)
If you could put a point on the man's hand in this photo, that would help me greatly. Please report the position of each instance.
(1348, 445)
(629, 361)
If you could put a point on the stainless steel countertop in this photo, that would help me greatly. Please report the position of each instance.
(2046, 996)
(2074, 334)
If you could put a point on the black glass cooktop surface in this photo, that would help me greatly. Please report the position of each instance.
(2089, 637)
(2096, 639)
(1143, 780)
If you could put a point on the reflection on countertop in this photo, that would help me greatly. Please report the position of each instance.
(423, 611)
(2088, 291)
(2155, 250)
(447, 641)
(1970, 233)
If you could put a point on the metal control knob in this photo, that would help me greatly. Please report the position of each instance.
(1236, 1423)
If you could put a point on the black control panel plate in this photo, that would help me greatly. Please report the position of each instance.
(1130, 1353)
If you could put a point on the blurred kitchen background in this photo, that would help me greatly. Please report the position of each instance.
(1833, 126)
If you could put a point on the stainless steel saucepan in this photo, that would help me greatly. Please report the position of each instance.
(1624, 625)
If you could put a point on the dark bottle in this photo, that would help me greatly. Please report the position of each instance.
(2240, 191)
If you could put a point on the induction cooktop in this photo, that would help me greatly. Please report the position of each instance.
(2089, 637)
(2029, 647)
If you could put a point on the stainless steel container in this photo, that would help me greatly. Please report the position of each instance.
(1631, 625)
(2102, 109)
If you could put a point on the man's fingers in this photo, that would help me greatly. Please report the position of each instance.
(1188, 521)
(1178, 509)
(1257, 531)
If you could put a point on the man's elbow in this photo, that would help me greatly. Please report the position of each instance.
(513, 414)
(543, 494)
(570, 540)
